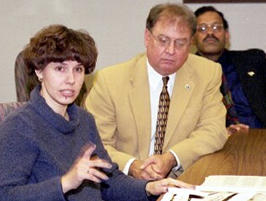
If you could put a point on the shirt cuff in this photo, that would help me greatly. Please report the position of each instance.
(174, 169)
(127, 166)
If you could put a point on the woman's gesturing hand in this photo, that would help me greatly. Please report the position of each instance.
(85, 167)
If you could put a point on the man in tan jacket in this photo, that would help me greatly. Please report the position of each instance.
(124, 100)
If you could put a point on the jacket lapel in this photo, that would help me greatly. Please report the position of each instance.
(181, 95)
(139, 99)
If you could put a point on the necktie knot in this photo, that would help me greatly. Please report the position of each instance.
(165, 81)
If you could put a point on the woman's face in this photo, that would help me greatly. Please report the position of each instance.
(61, 82)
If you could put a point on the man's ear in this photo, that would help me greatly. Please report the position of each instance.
(227, 39)
(147, 37)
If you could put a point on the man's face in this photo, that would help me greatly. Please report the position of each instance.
(210, 37)
(168, 45)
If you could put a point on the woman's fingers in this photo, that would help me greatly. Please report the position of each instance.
(87, 150)
(161, 186)
(96, 175)
(178, 183)
(98, 163)
(86, 167)
(91, 168)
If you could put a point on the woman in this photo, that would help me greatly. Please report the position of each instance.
(50, 149)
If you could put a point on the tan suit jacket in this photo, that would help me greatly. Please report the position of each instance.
(120, 103)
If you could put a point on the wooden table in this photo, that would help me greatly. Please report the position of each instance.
(243, 154)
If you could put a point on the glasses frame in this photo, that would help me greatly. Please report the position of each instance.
(216, 27)
(166, 43)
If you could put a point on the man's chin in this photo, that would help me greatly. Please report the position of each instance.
(212, 50)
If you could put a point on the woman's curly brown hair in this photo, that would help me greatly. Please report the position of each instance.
(57, 43)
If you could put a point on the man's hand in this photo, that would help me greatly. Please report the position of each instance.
(161, 186)
(237, 128)
(147, 173)
(159, 164)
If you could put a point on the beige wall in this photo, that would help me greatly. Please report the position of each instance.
(116, 25)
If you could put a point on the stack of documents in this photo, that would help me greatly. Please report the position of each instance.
(222, 188)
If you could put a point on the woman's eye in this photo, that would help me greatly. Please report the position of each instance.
(59, 68)
(80, 69)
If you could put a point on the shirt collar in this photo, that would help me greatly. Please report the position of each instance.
(155, 79)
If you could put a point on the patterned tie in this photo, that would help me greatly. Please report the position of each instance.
(164, 103)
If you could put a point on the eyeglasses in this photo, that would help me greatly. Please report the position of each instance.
(204, 28)
(164, 41)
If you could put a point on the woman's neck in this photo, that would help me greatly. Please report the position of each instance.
(56, 107)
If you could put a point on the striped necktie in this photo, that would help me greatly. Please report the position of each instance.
(164, 102)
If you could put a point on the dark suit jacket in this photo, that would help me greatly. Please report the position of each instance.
(251, 68)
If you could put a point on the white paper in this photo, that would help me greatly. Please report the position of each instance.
(174, 190)
(233, 183)
(180, 194)
(222, 187)
(243, 196)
